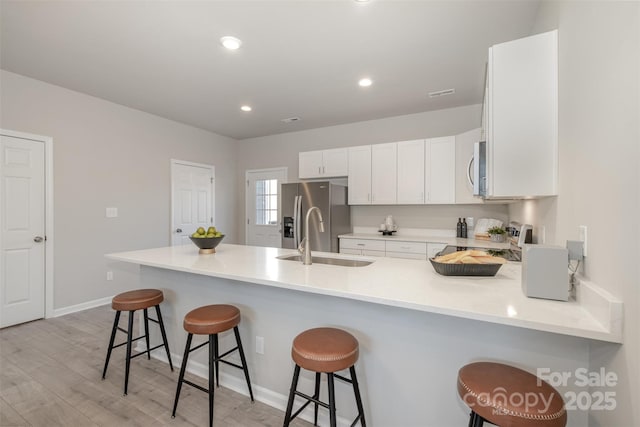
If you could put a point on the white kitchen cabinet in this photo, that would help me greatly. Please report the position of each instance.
(411, 172)
(359, 177)
(440, 170)
(323, 163)
(390, 248)
(384, 174)
(464, 162)
(522, 117)
(364, 247)
(407, 250)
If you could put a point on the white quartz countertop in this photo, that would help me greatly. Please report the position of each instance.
(455, 241)
(401, 283)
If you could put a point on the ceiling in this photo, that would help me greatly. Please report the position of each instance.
(298, 58)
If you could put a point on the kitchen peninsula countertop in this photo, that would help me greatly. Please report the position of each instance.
(401, 283)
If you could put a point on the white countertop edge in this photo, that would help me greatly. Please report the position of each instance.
(596, 300)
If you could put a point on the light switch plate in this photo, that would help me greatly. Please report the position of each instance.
(582, 233)
(112, 212)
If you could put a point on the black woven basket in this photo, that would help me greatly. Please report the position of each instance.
(465, 269)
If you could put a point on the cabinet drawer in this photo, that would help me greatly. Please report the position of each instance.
(367, 252)
(347, 251)
(407, 247)
(373, 245)
(406, 255)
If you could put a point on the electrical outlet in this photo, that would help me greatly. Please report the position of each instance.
(582, 236)
(109, 275)
(260, 345)
(470, 221)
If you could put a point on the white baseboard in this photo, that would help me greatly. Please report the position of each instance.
(237, 384)
(81, 307)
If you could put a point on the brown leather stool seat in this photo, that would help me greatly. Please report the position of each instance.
(211, 320)
(509, 397)
(140, 299)
(137, 300)
(324, 350)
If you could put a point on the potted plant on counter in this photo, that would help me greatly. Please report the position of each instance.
(497, 234)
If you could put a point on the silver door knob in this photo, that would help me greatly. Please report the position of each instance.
(179, 230)
(38, 239)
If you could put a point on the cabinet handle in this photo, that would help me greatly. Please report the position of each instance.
(323, 170)
(319, 170)
(360, 244)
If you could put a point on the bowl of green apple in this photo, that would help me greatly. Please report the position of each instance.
(207, 240)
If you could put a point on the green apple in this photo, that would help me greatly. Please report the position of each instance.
(201, 231)
(195, 234)
(209, 235)
(218, 234)
(211, 230)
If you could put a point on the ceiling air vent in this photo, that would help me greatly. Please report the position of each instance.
(441, 93)
(291, 120)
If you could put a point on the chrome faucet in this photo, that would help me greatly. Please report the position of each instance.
(305, 245)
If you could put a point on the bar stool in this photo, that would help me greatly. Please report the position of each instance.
(327, 350)
(131, 301)
(509, 397)
(211, 320)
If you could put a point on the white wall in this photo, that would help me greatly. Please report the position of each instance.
(599, 182)
(283, 149)
(109, 155)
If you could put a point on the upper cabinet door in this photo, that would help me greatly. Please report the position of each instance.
(440, 176)
(310, 164)
(323, 163)
(522, 117)
(335, 162)
(411, 171)
(384, 174)
(359, 178)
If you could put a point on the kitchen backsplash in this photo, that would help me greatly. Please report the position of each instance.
(441, 217)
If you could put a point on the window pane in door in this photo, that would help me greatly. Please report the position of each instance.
(266, 202)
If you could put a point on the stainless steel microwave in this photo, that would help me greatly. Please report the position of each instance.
(480, 169)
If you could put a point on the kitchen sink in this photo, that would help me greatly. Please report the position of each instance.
(343, 262)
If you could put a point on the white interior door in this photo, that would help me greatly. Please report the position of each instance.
(192, 199)
(22, 233)
(263, 207)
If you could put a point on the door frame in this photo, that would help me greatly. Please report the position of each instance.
(173, 164)
(48, 213)
(284, 169)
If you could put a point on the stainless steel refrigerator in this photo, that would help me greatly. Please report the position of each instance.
(331, 198)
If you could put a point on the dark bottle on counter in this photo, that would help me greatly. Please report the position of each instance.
(464, 228)
(459, 228)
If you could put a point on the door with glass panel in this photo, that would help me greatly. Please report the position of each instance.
(263, 206)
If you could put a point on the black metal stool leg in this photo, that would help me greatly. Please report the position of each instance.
(479, 421)
(472, 419)
(128, 363)
(244, 360)
(292, 395)
(213, 352)
(164, 336)
(332, 400)
(187, 347)
(146, 332)
(356, 391)
(113, 337)
(316, 395)
(215, 349)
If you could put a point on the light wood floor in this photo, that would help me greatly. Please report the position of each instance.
(50, 375)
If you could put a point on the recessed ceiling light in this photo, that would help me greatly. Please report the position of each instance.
(361, 1)
(231, 43)
(365, 82)
(246, 108)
